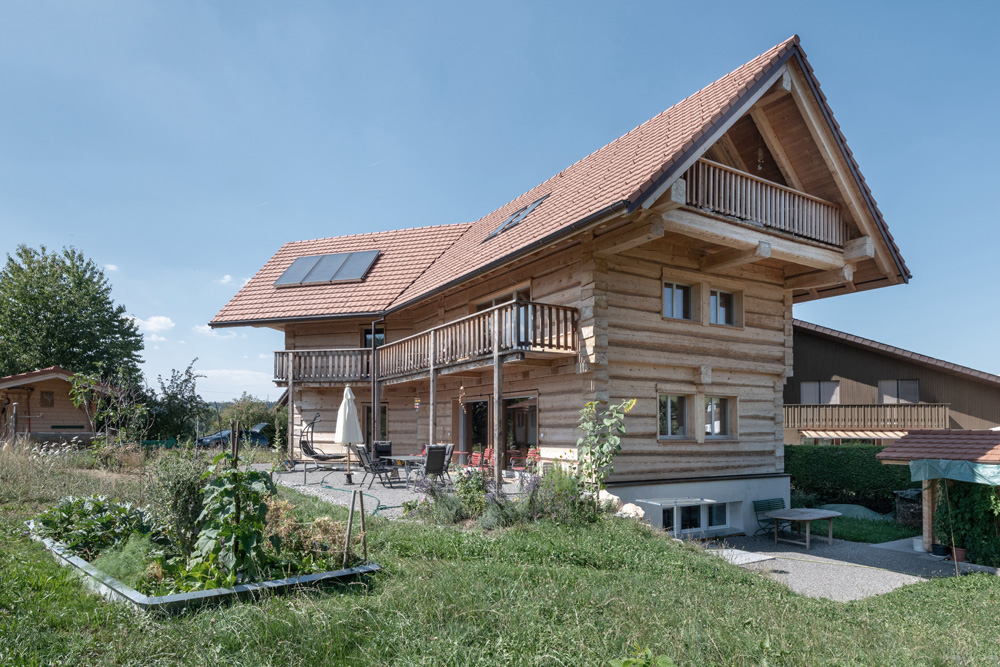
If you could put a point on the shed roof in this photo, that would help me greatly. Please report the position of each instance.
(52, 372)
(620, 176)
(980, 446)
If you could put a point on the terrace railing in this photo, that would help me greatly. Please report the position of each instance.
(524, 326)
(737, 194)
(900, 416)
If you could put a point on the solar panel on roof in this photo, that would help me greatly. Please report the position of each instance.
(333, 268)
(515, 217)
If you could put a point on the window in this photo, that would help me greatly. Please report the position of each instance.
(722, 307)
(383, 426)
(677, 301)
(366, 338)
(673, 412)
(47, 399)
(716, 416)
(899, 391)
(819, 393)
(515, 217)
(717, 516)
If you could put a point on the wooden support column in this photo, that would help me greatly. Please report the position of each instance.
(432, 354)
(929, 499)
(497, 402)
(290, 370)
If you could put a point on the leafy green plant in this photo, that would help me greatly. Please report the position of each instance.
(231, 543)
(471, 490)
(601, 440)
(88, 526)
(128, 561)
(968, 515)
(176, 494)
(643, 658)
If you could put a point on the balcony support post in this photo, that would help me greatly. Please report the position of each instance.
(432, 354)
(290, 371)
(497, 405)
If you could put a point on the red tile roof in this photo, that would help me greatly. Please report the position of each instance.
(898, 352)
(621, 175)
(948, 444)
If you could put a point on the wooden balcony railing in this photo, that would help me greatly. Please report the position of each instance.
(721, 189)
(523, 327)
(900, 416)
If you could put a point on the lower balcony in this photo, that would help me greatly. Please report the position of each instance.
(871, 417)
(515, 328)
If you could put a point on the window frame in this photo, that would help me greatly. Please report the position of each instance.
(684, 409)
(714, 298)
(710, 424)
(819, 392)
(688, 308)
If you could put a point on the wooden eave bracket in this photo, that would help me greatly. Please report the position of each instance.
(649, 227)
(810, 281)
(728, 259)
(781, 88)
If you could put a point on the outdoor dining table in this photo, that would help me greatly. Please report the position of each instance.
(801, 515)
(409, 463)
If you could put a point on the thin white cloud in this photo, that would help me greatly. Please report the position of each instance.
(226, 279)
(182, 342)
(110, 267)
(206, 330)
(156, 339)
(245, 281)
(154, 324)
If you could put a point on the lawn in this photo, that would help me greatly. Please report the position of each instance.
(543, 594)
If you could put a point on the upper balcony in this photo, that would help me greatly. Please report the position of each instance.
(876, 417)
(735, 194)
(514, 328)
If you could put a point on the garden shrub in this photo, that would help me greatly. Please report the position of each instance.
(128, 561)
(176, 494)
(89, 526)
(802, 499)
(501, 512)
(846, 474)
(969, 513)
(470, 489)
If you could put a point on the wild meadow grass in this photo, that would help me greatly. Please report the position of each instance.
(538, 594)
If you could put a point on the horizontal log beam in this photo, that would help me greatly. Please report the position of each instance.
(734, 235)
(856, 250)
(728, 259)
(631, 236)
(821, 278)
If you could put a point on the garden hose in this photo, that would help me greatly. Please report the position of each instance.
(378, 503)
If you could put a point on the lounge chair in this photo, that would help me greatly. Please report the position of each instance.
(320, 459)
(436, 465)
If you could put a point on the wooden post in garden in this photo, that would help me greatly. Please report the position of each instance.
(350, 525)
(290, 370)
(497, 404)
(13, 421)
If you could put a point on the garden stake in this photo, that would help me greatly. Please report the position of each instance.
(350, 524)
(364, 531)
(951, 524)
(233, 428)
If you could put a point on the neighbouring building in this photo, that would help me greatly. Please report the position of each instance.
(846, 387)
(663, 267)
(45, 411)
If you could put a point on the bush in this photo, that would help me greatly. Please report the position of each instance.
(176, 493)
(802, 499)
(470, 489)
(90, 526)
(971, 514)
(127, 562)
(501, 512)
(846, 474)
(558, 495)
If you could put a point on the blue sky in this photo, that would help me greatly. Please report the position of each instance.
(181, 143)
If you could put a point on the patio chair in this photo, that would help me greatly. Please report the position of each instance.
(436, 464)
(376, 470)
(525, 463)
(449, 450)
(382, 449)
(766, 523)
(320, 459)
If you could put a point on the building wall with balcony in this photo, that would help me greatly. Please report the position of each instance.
(971, 403)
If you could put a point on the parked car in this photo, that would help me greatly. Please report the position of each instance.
(250, 436)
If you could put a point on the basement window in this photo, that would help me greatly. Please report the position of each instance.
(342, 267)
(515, 218)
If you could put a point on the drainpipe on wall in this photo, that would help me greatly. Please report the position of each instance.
(376, 434)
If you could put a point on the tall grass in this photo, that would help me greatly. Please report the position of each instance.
(536, 594)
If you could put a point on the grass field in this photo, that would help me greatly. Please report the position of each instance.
(544, 594)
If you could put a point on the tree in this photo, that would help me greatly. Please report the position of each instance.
(249, 410)
(178, 409)
(56, 309)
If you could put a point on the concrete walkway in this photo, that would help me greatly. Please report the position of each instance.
(842, 571)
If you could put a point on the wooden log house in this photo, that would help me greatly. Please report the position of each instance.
(45, 411)
(662, 267)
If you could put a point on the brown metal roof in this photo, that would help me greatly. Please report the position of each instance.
(949, 444)
(898, 352)
(621, 175)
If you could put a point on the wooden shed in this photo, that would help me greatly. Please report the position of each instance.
(45, 411)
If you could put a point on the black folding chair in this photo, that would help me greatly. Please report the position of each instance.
(376, 470)
(435, 466)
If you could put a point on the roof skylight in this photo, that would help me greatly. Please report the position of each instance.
(343, 267)
(515, 217)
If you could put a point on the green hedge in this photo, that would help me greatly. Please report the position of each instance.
(969, 514)
(846, 474)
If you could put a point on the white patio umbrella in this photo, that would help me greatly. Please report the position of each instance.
(348, 427)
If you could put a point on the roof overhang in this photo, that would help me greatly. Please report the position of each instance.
(854, 434)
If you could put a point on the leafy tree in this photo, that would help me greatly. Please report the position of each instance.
(601, 441)
(56, 309)
(177, 408)
(249, 410)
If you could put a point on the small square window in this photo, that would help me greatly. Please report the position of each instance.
(722, 307)
(673, 413)
(690, 517)
(47, 399)
(677, 301)
(717, 516)
(716, 416)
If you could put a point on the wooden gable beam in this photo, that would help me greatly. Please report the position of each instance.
(857, 249)
(728, 259)
(631, 236)
(821, 134)
(774, 145)
(781, 88)
(811, 281)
